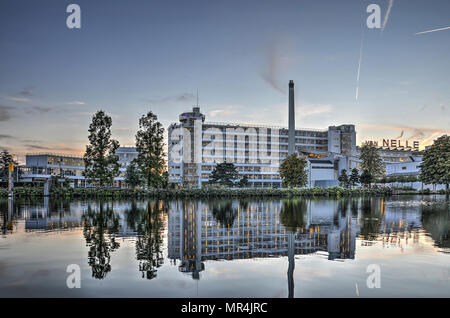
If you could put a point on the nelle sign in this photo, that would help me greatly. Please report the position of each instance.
(394, 143)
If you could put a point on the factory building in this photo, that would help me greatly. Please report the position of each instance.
(43, 166)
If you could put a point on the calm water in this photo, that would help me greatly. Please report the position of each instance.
(226, 248)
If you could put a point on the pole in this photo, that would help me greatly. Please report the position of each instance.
(11, 180)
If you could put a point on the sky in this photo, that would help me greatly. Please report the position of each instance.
(130, 57)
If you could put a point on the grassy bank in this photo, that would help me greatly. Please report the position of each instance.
(206, 192)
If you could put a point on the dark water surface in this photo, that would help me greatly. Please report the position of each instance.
(226, 248)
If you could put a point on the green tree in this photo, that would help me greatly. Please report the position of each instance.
(133, 176)
(366, 178)
(293, 171)
(371, 161)
(354, 177)
(5, 159)
(343, 178)
(435, 167)
(224, 173)
(243, 183)
(100, 159)
(149, 145)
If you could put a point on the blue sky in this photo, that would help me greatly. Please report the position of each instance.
(133, 56)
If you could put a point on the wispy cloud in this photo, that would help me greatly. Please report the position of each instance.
(53, 148)
(5, 113)
(26, 91)
(222, 113)
(39, 109)
(6, 137)
(75, 103)
(433, 30)
(183, 97)
(18, 99)
(386, 16)
(308, 110)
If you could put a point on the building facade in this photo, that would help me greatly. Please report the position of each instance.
(41, 167)
(195, 147)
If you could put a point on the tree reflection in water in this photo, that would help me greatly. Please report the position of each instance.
(101, 225)
(223, 212)
(436, 221)
(148, 223)
(292, 214)
(371, 218)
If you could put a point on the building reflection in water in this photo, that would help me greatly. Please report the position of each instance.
(202, 231)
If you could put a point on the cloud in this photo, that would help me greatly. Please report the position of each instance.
(38, 109)
(18, 99)
(53, 148)
(75, 103)
(307, 110)
(5, 114)
(386, 16)
(276, 115)
(183, 97)
(27, 91)
(41, 109)
(6, 137)
(222, 113)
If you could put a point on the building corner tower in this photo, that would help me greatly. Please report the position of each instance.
(291, 140)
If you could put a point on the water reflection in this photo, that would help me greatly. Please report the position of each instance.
(101, 224)
(201, 232)
(148, 224)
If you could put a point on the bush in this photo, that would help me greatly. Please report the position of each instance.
(205, 192)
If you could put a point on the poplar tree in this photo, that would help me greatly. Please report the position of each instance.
(149, 145)
(100, 159)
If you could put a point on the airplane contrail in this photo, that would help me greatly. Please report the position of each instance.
(434, 30)
(388, 12)
(359, 69)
